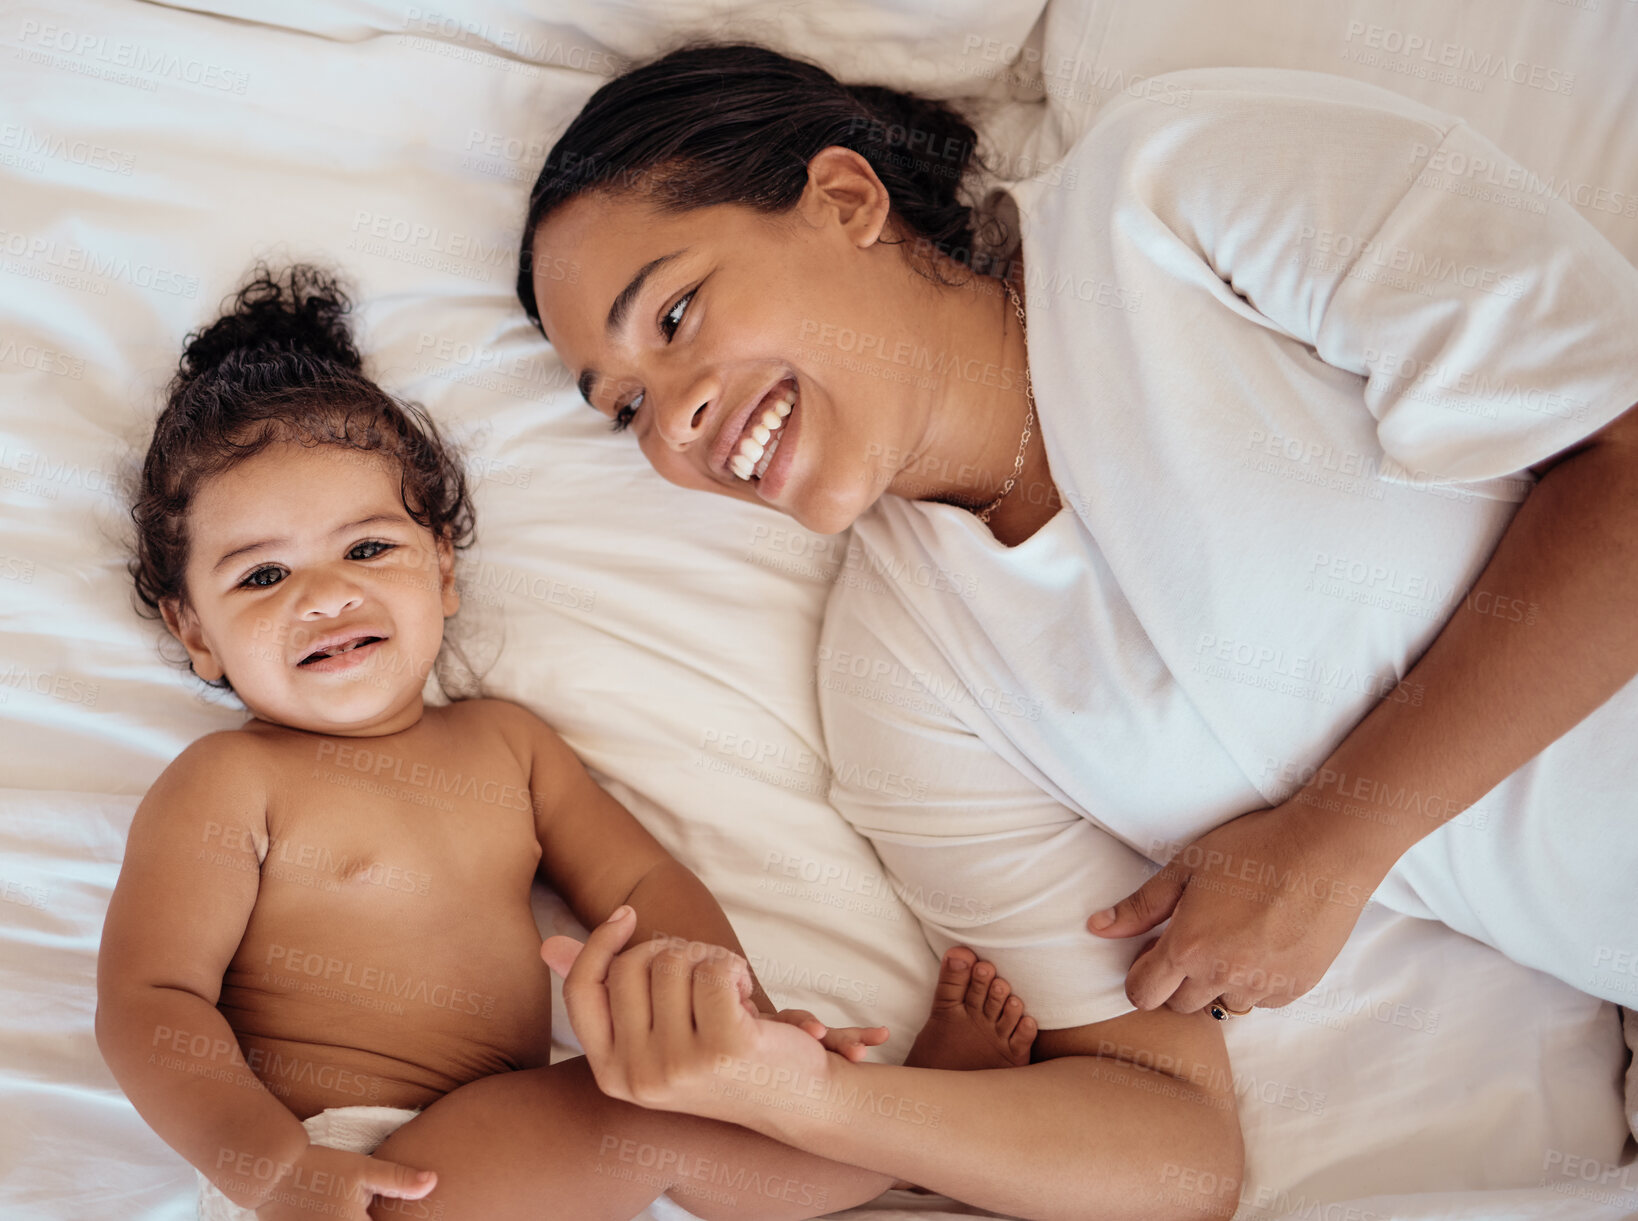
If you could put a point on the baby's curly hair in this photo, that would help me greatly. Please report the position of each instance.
(279, 365)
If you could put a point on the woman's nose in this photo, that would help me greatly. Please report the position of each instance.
(680, 418)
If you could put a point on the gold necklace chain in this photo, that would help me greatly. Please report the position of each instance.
(1029, 418)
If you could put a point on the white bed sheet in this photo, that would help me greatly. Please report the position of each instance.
(148, 153)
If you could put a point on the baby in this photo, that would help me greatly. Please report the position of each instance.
(322, 929)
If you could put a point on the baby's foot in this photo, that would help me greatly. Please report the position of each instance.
(976, 1021)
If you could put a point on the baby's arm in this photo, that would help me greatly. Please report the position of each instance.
(192, 869)
(597, 856)
(185, 893)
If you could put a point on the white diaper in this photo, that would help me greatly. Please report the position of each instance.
(354, 1129)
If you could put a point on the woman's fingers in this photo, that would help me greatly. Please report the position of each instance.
(1192, 995)
(559, 953)
(394, 1181)
(1144, 908)
(803, 1020)
(721, 987)
(851, 1041)
(671, 984)
(586, 986)
(631, 995)
(1239, 1001)
(1153, 976)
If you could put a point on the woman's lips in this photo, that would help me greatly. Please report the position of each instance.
(760, 443)
(773, 479)
(735, 429)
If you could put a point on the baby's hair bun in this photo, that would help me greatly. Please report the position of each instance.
(300, 311)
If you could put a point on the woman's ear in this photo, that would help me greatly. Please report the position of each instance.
(182, 623)
(446, 576)
(842, 182)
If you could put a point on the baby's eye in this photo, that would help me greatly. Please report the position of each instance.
(269, 574)
(380, 548)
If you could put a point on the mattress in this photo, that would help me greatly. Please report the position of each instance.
(149, 152)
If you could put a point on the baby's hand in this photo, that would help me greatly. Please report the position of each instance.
(334, 1183)
(849, 1041)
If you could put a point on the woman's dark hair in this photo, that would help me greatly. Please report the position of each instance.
(713, 123)
(279, 365)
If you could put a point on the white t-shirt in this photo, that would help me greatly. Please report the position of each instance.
(1294, 341)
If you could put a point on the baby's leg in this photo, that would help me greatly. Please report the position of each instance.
(547, 1142)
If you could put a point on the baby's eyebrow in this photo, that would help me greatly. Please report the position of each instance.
(372, 520)
(248, 547)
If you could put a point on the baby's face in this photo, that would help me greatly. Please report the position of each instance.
(314, 591)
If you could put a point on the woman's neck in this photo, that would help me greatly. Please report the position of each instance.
(972, 421)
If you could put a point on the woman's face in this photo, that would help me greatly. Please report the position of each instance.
(737, 308)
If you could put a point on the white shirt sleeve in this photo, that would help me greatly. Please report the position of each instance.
(1495, 325)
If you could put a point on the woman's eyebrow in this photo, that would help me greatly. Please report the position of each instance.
(623, 301)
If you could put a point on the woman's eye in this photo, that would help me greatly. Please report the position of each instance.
(674, 315)
(263, 577)
(378, 548)
(672, 320)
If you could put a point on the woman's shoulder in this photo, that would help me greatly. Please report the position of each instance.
(1217, 104)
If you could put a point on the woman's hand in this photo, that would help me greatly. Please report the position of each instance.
(335, 1183)
(1260, 907)
(849, 1041)
(671, 1026)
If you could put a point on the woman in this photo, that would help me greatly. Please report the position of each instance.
(1277, 338)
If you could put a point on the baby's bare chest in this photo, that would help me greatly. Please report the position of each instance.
(405, 818)
(394, 904)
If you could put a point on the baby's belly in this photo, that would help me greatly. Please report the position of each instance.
(332, 1014)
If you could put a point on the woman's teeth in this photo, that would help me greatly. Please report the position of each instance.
(756, 448)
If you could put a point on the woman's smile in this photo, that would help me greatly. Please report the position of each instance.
(760, 436)
(775, 467)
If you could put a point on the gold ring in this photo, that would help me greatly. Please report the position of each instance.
(1222, 1012)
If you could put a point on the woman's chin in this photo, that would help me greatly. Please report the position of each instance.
(831, 517)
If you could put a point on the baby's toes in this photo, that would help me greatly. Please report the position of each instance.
(954, 977)
(978, 986)
(1011, 1014)
(1022, 1038)
(1000, 989)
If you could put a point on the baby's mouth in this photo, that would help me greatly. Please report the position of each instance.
(347, 646)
